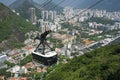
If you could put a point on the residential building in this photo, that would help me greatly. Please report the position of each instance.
(2, 78)
(19, 78)
(23, 70)
(3, 57)
(14, 69)
(32, 15)
(48, 15)
(2, 65)
(65, 38)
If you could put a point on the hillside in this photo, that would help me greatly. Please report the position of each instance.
(12, 28)
(18, 3)
(99, 64)
(22, 7)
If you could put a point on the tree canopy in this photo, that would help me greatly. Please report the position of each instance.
(99, 64)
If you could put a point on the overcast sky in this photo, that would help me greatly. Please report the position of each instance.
(109, 5)
(7, 2)
(72, 3)
(65, 3)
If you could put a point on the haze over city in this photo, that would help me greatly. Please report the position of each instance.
(107, 4)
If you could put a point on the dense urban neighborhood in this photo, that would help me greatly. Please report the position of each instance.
(74, 33)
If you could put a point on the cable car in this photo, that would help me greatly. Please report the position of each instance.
(48, 58)
(41, 54)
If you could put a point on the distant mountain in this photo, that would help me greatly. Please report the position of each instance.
(7, 2)
(12, 29)
(22, 6)
(19, 3)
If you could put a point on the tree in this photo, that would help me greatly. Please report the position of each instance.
(26, 60)
(99, 64)
(9, 64)
(38, 76)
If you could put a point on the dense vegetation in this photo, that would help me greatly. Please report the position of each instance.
(68, 26)
(9, 64)
(12, 28)
(99, 64)
(26, 60)
(13, 23)
(57, 43)
(4, 73)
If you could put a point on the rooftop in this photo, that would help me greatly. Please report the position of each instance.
(22, 78)
(47, 54)
(29, 65)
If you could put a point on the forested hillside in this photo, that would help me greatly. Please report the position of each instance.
(12, 28)
(99, 64)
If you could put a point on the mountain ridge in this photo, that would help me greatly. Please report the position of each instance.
(22, 7)
(17, 3)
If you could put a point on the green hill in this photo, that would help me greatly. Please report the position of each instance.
(22, 7)
(12, 29)
(99, 64)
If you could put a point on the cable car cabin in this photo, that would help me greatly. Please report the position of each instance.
(47, 59)
(41, 54)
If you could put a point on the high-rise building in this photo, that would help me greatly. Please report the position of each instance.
(48, 15)
(42, 14)
(51, 17)
(45, 15)
(32, 15)
(3, 58)
(46, 25)
(54, 14)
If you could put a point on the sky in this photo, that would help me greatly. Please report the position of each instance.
(66, 2)
(73, 3)
(7, 2)
(110, 5)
